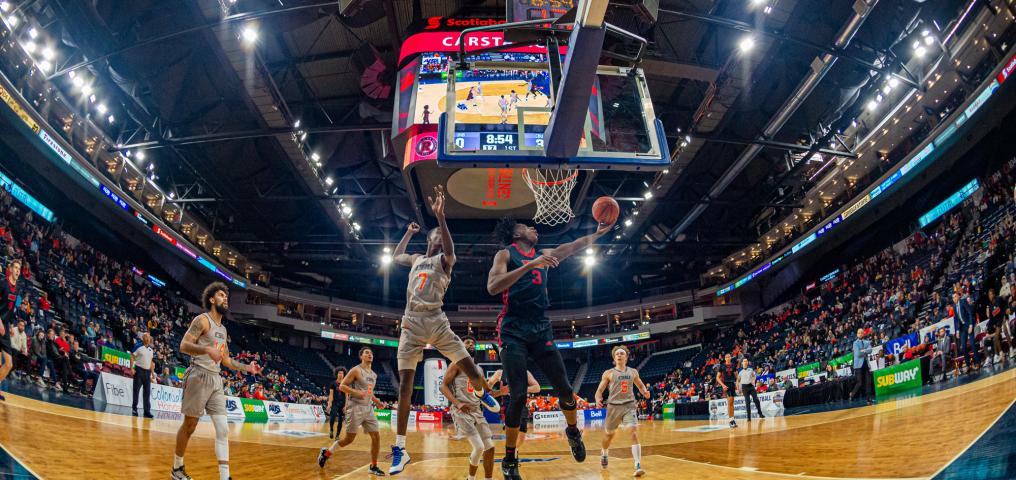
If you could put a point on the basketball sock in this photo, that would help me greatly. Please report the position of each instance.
(604, 452)
(334, 444)
(471, 477)
(509, 453)
(636, 454)
(223, 471)
(177, 461)
(400, 441)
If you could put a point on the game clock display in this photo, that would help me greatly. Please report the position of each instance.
(495, 140)
(520, 10)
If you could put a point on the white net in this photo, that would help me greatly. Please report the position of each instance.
(552, 189)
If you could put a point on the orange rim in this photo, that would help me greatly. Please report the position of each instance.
(525, 172)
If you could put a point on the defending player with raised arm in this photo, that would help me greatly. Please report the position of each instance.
(524, 331)
(424, 323)
(468, 418)
(206, 342)
(358, 385)
(532, 386)
(622, 410)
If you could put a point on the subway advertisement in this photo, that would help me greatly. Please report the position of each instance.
(898, 378)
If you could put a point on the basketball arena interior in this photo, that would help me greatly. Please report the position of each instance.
(477, 239)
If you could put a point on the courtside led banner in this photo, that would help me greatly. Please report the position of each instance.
(898, 378)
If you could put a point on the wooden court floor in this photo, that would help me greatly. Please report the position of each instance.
(906, 438)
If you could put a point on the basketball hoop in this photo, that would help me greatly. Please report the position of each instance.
(552, 190)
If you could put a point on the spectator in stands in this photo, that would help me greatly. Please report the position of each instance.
(57, 350)
(943, 345)
(42, 361)
(965, 321)
(19, 347)
(997, 330)
(861, 366)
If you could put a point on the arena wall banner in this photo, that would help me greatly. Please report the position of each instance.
(254, 410)
(898, 346)
(428, 417)
(668, 411)
(898, 378)
(383, 415)
(790, 373)
(299, 413)
(594, 414)
(116, 357)
(808, 369)
(319, 413)
(276, 412)
(166, 398)
(847, 359)
(114, 390)
(949, 325)
(234, 410)
(395, 417)
(433, 376)
(772, 406)
(548, 419)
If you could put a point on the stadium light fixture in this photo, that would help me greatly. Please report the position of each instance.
(12, 21)
(5, 7)
(29, 47)
(589, 261)
(140, 155)
(111, 119)
(249, 34)
(894, 82)
(101, 108)
(746, 44)
(386, 259)
(314, 156)
(48, 53)
(627, 222)
(388, 249)
(33, 33)
(86, 89)
(296, 124)
(45, 65)
(329, 181)
(648, 195)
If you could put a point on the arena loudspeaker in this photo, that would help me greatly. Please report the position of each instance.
(647, 11)
(360, 13)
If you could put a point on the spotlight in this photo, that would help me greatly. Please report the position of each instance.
(329, 181)
(101, 108)
(746, 44)
(12, 21)
(249, 34)
(648, 195)
(140, 155)
(33, 33)
(48, 53)
(77, 81)
(91, 98)
(5, 6)
(45, 65)
(86, 89)
(385, 259)
(314, 156)
(29, 47)
(111, 119)
(303, 136)
(296, 124)
(627, 222)
(920, 51)
(589, 260)
(894, 82)
(388, 249)
(930, 39)
(346, 210)
(356, 226)
(872, 105)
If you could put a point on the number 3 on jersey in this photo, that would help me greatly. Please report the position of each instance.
(537, 277)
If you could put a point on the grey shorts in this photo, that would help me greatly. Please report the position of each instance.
(358, 416)
(419, 331)
(469, 424)
(625, 414)
(202, 393)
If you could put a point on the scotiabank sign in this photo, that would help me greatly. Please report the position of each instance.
(442, 35)
(450, 23)
(1007, 70)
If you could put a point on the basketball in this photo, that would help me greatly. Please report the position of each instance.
(606, 210)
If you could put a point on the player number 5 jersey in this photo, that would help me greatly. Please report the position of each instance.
(621, 385)
(428, 283)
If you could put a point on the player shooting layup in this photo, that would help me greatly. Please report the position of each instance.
(621, 407)
(206, 343)
(524, 331)
(424, 322)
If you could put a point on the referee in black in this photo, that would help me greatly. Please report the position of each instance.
(746, 383)
(336, 403)
(142, 358)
